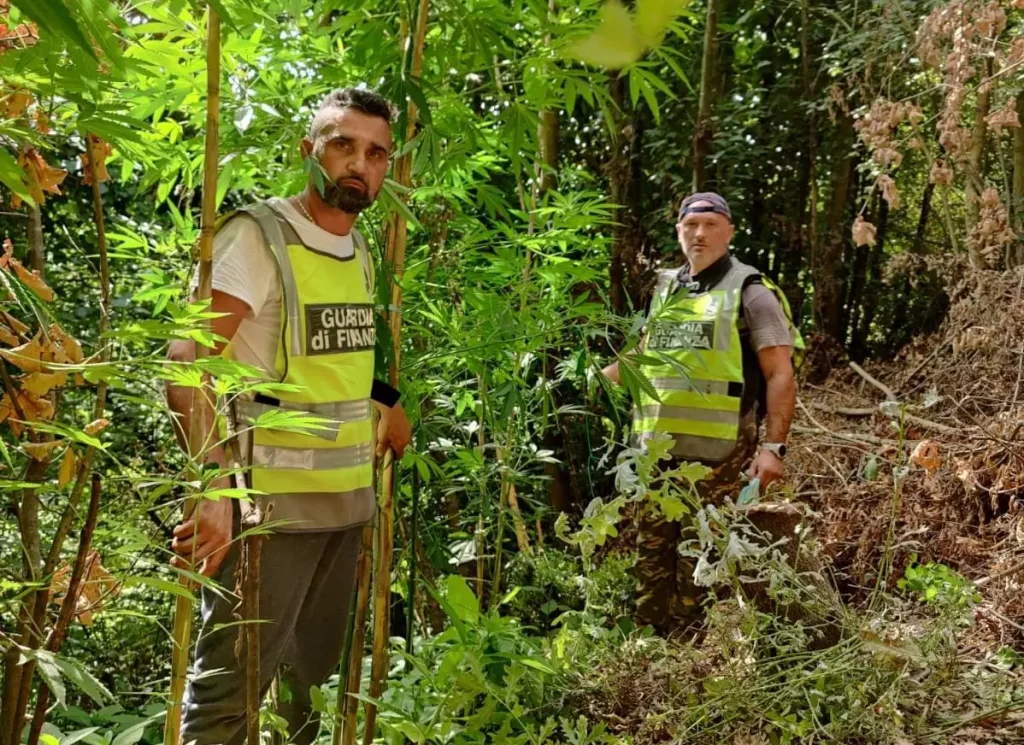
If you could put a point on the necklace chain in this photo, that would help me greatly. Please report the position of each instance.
(305, 212)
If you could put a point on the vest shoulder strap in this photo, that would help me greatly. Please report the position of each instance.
(273, 232)
(664, 285)
(738, 276)
(363, 248)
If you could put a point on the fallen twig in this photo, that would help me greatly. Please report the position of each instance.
(851, 436)
(874, 381)
(842, 410)
(1019, 566)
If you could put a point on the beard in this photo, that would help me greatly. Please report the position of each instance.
(347, 198)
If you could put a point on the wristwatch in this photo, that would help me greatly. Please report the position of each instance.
(778, 448)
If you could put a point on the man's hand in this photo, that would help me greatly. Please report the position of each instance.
(612, 373)
(208, 532)
(767, 467)
(394, 430)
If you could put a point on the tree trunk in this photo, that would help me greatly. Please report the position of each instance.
(872, 285)
(703, 134)
(917, 248)
(625, 176)
(828, 296)
(809, 194)
(902, 315)
(976, 165)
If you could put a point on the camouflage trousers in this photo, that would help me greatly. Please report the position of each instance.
(667, 597)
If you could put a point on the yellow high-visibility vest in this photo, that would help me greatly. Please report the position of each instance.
(325, 358)
(698, 375)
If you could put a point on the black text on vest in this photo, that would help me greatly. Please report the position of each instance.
(684, 335)
(334, 329)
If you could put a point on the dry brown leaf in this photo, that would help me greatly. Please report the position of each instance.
(40, 450)
(97, 426)
(863, 232)
(14, 323)
(72, 349)
(889, 192)
(40, 383)
(7, 337)
(965, 473)
(8, 252)
(33, 281)
(43, 122)
(97, 586)
(67, 467)
(940, 174)
(42, 177)
(927, 455)
(25, 357)
(98, 153)
(34, 410)
(16, 103)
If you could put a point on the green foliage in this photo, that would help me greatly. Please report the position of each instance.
(506, 327)
(483, 679)
(640, 481)
(938, 585)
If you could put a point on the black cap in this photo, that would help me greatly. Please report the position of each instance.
(717, 201)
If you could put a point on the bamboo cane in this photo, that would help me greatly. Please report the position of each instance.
(182, 632)
(395, 258)
(410, 616)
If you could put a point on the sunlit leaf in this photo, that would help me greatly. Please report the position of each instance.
(615, 42)
(462, 599)
(654, 16)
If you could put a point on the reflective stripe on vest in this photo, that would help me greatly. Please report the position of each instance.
(325, 361)
(699, 375)
(329, 417)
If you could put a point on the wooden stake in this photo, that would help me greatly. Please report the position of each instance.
(182, 632)
(252, 546)
(395, 257)
(381, 598)
(348, 704)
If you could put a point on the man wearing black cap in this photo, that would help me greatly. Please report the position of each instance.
(724, 339)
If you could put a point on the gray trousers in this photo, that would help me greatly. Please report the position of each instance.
(305, 586)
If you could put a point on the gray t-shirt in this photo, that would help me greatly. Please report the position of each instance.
(765, 318)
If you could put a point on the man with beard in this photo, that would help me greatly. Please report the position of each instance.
(293, 294)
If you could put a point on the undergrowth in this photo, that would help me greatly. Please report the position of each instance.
(780, 659)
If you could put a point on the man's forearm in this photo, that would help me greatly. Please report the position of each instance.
(781, 402)
(180, 402)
